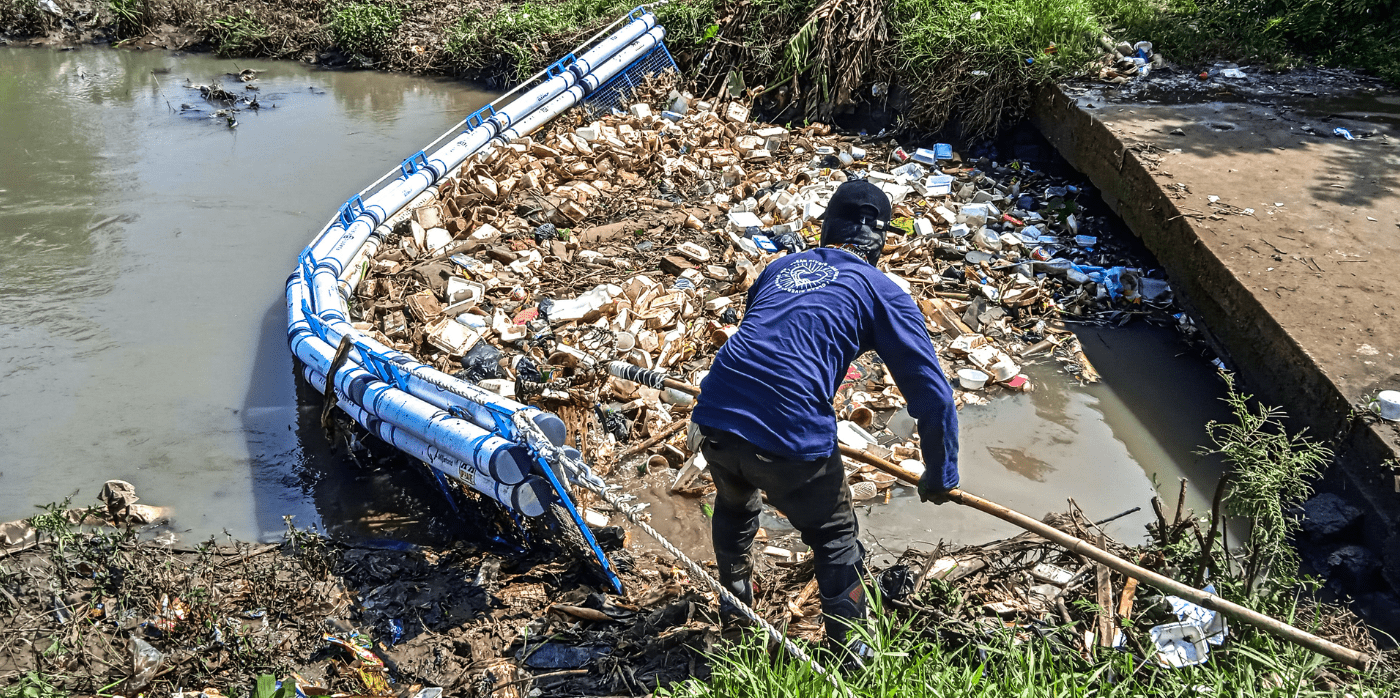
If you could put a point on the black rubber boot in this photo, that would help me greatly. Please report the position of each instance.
(841, 613)
(733, 622)
(740, 587)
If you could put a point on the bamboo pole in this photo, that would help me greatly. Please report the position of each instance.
(1168, 585)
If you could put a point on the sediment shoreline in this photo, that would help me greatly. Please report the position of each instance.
(928, 65)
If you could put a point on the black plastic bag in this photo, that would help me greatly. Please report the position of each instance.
(482, 361)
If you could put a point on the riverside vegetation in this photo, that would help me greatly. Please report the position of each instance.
(974, 62)
(337, 618)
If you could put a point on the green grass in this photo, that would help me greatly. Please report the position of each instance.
(1358, 34)
(32, 685)
(528, 36)
(917, 654)
(688, 24)
(1006, 664)
(364, 27)
(978, 68)
(238, 34)
(979, 72)
(130, 17)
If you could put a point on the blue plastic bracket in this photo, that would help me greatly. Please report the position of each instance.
(559, 66)
(476, 119)
(564, 499)
(415, 163)
(318, 326)
(308, 267)
(446, 488)
(638, 12)
(351, 210)
(383, 368)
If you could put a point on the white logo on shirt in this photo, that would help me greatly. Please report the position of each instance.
(806, 275)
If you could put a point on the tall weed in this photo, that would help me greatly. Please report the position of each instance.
(364, 27)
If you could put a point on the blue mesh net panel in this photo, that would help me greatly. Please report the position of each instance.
(617, 92)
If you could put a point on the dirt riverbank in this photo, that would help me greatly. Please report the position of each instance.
(95, 602)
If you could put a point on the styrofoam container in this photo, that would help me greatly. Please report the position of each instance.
(863, 490)
(939, 185)
(972, 379)
(852, 435)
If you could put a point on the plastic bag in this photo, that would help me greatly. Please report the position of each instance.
(546, 232)
(482, 361)
(145, 662)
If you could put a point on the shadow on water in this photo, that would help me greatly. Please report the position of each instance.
(363, 492)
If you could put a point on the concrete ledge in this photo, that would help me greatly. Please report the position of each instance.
(1302, 298)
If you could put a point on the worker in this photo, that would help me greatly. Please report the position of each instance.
(765, 409)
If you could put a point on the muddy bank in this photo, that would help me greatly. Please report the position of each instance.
(931, 63)
(96, 600)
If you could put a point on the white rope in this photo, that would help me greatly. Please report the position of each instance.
(696, 571)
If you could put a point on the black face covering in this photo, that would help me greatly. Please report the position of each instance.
(856, 218)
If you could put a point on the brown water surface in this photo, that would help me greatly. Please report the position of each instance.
(144, 249)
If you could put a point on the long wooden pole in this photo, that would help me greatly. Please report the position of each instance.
(1083, 548)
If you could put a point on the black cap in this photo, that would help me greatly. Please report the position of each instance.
(857, 215)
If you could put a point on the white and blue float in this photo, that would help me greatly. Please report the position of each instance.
(466, 435)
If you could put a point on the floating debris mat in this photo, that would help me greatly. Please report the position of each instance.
(469, 436)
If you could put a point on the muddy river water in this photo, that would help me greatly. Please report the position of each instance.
(143, 252)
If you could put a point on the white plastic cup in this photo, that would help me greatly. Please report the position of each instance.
(625, 342)
(1387, 405)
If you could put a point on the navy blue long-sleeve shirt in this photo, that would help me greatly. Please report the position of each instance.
(809, 316)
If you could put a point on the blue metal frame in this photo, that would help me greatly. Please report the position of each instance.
(476, 119)
(558, 67)
(582, 525)
(506, 428)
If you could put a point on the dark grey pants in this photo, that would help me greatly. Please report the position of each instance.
(813, 496)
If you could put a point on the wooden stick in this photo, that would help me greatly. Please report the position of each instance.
(341, 353)
(1125, 602)
(1220, 489)
(1180, 504)
(1163, 528)
(1167, 585)
(796, 604)
(681, 386)
(666, 431)
(1103, 592)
